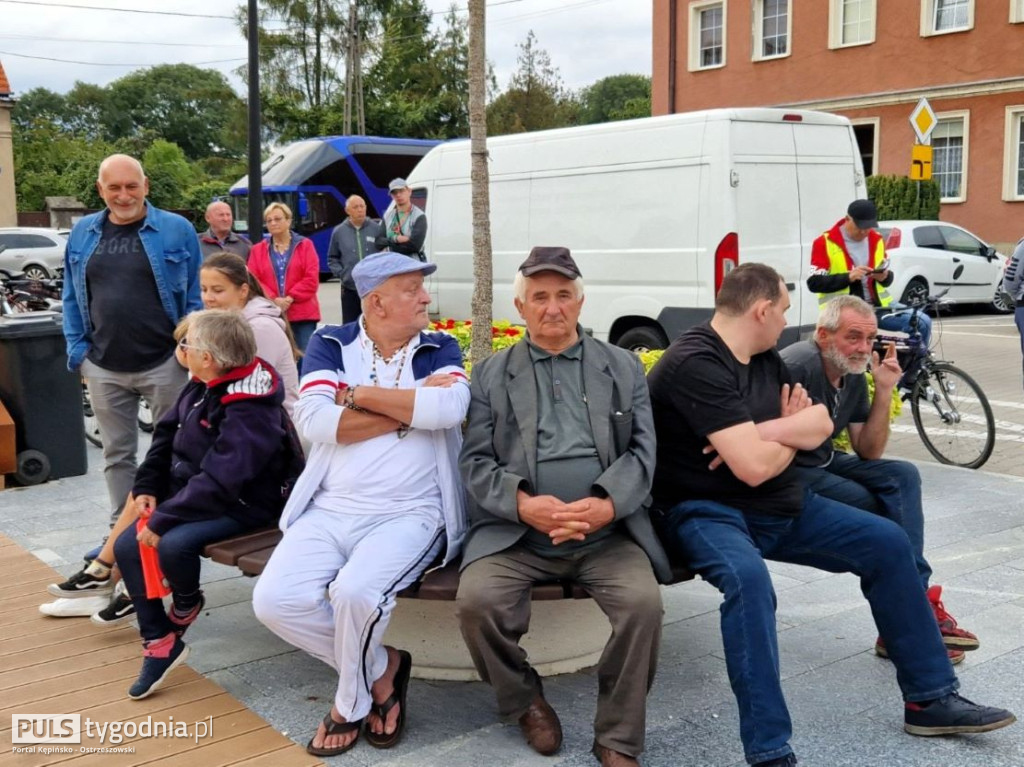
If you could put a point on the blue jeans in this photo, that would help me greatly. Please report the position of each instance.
(900, 320)
(179, 551)
(1018, 317)
(728, 548)
(302, 331)
(889, 488)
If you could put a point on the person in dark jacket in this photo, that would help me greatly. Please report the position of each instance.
(220, 463)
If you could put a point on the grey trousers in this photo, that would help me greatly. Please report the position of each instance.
(115, 402)
(493, 606)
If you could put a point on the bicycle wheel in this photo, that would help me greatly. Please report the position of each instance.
(953, 416)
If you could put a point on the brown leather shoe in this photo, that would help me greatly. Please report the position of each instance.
(609, 758)
(541, 727)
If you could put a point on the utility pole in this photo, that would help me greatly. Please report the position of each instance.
(351, 66)
(255, 207)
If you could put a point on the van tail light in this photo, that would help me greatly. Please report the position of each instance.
(727, 258)
(894, 239)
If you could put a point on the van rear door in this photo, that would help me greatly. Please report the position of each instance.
(829, 178)
(764, 176)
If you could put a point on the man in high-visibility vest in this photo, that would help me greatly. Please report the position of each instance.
(850, 259)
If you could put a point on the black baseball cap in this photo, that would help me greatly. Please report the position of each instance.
(864, 214)
(554, 259)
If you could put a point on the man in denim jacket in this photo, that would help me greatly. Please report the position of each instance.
(131, 272)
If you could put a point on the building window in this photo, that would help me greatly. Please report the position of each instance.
(943, 16)
(865, 130)
(1017, 11)
(707, 35)
(949, 156)
(851, 22)
(1013, 154)
(772, 25)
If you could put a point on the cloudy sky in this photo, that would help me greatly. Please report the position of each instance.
(53, 43)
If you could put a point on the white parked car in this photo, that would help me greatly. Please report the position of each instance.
(36, 251)
(927, 257)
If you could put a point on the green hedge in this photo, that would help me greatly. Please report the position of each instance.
(897, 197)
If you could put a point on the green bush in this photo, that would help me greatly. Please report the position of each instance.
(897, 197)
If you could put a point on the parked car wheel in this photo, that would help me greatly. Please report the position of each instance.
(1002, 302)
(642, 339)
(36, 272)
(915, 293)
(145, 416)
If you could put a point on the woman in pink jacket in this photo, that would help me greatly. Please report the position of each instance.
(288, 268)
(226, 284)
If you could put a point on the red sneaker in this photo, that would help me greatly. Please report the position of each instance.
(952, 634)
(955, 656)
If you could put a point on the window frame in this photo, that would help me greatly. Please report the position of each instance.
(1017, 11)
(928, 12)
(965, 116)
(758, 32)
(696, 9)
(876, 123)
(1013, 152)
(835, 25)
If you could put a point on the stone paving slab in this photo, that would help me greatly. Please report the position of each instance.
(844, 700)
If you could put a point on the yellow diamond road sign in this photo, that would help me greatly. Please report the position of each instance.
(923, 121)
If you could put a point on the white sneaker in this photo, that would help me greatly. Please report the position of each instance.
(74, 608)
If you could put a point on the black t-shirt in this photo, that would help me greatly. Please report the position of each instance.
(847, 404)
(697, 388)
(131, 331)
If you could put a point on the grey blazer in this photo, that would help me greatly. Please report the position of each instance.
(499, 453)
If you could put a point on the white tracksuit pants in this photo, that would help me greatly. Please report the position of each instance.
(330, 585)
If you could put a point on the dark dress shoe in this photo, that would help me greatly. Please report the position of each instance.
(609, 758)
(541, 727)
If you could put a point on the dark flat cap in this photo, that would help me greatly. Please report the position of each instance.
(550, 259)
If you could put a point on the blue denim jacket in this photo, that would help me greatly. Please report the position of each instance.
(172, 247)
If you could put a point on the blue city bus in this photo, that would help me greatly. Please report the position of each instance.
(315, 176)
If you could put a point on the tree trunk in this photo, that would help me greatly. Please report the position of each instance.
(480, 347)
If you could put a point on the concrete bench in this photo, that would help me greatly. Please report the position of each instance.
(564, 636)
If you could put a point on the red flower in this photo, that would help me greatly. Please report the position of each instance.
(512, 332)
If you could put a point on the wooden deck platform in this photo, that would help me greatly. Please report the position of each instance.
(71, 666)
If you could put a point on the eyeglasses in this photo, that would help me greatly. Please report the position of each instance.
(184, 345)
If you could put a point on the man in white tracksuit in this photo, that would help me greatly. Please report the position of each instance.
(382, 403)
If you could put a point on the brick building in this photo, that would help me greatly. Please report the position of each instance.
(870, 60)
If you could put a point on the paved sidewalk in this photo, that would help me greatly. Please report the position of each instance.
(844, 700)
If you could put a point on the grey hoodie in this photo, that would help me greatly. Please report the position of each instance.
(1013, 281)
(264, 317)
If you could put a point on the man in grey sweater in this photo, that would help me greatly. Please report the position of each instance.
(352, 240)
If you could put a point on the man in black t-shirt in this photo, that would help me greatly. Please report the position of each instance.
(832, 367)
(131, 272)
(727, 496)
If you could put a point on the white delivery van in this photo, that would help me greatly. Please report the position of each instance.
(655, 212)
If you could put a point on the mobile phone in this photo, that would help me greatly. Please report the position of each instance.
(882, 267)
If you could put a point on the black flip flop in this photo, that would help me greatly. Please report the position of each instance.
(334, 728)
(398, 696)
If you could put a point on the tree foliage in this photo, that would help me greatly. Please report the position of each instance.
(619, 97)
(185, 124)
(535, 98)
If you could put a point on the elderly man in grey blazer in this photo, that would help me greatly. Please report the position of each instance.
(558, 462)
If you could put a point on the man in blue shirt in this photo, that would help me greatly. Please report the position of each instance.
(131, 273)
